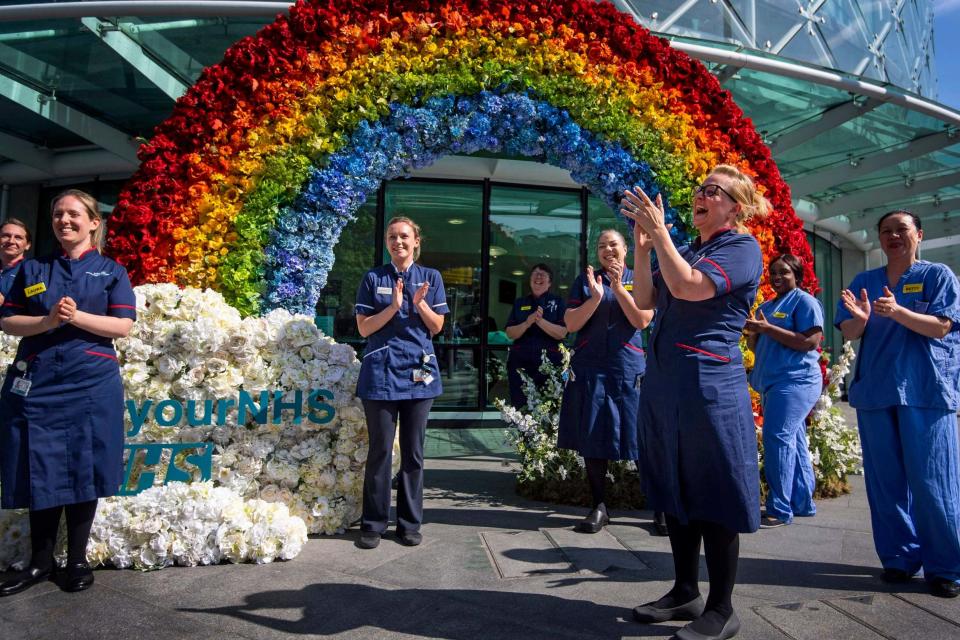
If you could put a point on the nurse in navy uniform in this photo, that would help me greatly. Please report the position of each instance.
(61, 445)
(14, 242)
(400, 307)
(536, 326)
(598, 414)
(696, 420)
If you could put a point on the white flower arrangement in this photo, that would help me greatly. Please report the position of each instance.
(273, 481)
(834, 445)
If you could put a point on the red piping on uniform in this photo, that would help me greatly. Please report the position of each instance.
(102, 355)
(121, 306)
(13, 304)
(630, 346)
(63, 254)
(722, 272)
(582, 343)
(15, 262)
(573, 301)
(706, 353)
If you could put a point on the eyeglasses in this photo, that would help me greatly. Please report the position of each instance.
(710, 190)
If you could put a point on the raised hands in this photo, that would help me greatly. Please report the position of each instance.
(397, 301)
(615, 273)
(595, 282)
(421, 293)
(535, 317)
(646, 213)
(859, 308)
(886, 305)
(757, 324)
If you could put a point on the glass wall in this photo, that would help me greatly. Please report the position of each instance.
(827, 262)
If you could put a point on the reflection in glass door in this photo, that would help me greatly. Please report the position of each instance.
(527, 227)
(451, 220)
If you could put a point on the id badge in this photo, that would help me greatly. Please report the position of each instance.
(422, 375)
(21, 386)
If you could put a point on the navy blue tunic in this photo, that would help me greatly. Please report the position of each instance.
(598, 415)
(7, 276)
(696, 420)
(63, 442)
(403, 345)
(526, 351)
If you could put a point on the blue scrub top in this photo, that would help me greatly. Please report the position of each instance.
(897, 366)
(403, 346)
(7, 275)
(608, 338)
(534, 340)
(799, 311)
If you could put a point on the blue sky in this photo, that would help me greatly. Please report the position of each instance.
(946, 31)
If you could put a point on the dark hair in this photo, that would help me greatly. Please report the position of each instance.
(18, 223)
(793, 263)
(901, 212)
(542, 267)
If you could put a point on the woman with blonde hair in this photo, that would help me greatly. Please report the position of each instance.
(696, 421)
(61, 444)
(400, 307)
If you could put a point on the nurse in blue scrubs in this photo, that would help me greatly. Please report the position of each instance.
(61, 444)
(536, 326)
(784, 337)
(400, 307)
(14, 242)
(906, 390)
(696, 421)
(598, 414)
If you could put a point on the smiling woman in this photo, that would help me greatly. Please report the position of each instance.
(15, 240)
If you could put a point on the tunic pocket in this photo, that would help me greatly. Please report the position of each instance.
(373, 373)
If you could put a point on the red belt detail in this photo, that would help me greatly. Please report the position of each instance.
(630, 346)
(706, 353)
(102, 355)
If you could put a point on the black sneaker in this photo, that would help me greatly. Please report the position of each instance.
(410, 538)
(895, 576)
(944, 587)
(369, 540)
(770, 522)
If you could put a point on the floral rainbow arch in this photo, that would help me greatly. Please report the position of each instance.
(248, 185)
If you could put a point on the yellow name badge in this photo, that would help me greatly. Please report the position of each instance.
(34, 289)
(628, 287)
(779, 314)
(526, 308)
(913, 288)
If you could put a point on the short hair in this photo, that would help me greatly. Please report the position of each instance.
(794, 263)
(901, 212)
(542, 267)
(18, 223)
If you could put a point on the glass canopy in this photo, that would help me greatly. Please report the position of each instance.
(80, 91)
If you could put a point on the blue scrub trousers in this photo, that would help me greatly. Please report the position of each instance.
(382, 418)
(911, 465)
(786, 455)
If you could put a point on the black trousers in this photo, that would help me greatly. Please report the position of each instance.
(382, 416)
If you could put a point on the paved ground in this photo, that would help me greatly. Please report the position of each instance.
(493, 565)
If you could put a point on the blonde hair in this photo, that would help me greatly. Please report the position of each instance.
(413, 225)
(744, 191)
(90, 205)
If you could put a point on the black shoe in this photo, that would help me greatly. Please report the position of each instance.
(409, 538)
(369, 540)
(730, 628)
(79, 577)
(649, 613)
(944, 587)
(24, 580)
(595, 521)
(770, 522)
(660, 524)
(895, 576)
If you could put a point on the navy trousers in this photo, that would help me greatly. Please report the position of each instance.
(382, 418)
